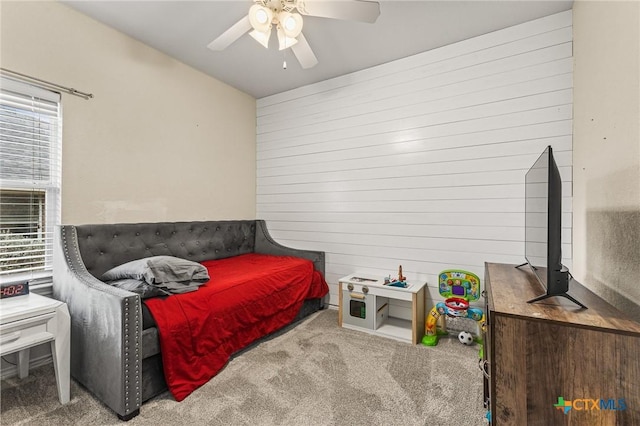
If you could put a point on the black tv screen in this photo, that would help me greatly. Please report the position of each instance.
(543, 226)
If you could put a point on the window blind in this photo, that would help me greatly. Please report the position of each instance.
(30, 180)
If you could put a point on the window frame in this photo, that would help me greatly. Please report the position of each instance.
(37, 277)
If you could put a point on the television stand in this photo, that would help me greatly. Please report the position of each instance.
(535, 354)
(546, 296)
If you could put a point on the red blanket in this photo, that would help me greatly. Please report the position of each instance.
(247, 297)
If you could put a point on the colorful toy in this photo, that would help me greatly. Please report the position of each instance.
(400, 282)
(459, 288)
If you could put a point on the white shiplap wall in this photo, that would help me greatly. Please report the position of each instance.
(420, 161)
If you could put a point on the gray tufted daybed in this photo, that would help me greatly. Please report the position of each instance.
(112, 353)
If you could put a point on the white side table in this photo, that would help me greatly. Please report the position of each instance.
(27, 321)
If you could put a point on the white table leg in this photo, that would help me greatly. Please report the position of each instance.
(60, 351)
(23, 363)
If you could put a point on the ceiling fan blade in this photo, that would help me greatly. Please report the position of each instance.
(350, 10)
(231, 35)
(303, 53)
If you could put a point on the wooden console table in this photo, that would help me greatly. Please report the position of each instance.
(536, 353)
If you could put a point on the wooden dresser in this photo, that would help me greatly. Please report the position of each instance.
(552, 353)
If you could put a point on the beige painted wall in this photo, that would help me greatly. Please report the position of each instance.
(606, 150)
(160, 140)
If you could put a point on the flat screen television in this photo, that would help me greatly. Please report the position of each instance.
(543, 227)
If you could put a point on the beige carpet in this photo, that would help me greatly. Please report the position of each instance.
(313, 374)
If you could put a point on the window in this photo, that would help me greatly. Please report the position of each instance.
(30, 148)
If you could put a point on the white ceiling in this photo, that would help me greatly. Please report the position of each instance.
(182, 29)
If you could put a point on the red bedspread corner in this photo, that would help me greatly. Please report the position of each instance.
(248, 297)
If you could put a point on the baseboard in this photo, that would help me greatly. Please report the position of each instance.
(9, 370)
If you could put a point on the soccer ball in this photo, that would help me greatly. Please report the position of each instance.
(465, 338)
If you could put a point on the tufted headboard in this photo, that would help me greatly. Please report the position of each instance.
(107, 245)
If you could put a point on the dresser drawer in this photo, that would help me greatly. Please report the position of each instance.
(18, 335)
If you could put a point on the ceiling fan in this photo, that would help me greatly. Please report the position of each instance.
(286, 16)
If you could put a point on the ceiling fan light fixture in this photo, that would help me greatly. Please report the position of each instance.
(261, 37)
(284, 41)
(260, 18)
(291, 23)
(287, 16)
